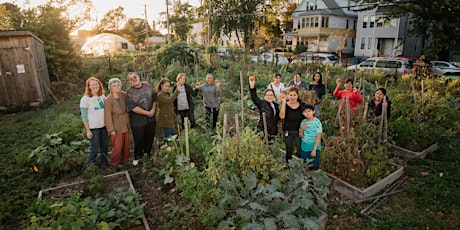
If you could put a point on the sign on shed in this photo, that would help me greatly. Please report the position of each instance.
(24, 78)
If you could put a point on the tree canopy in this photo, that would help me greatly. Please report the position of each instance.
(113, 20)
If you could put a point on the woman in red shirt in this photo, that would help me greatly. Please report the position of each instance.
(353, 94)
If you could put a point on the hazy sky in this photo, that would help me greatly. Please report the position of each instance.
(133, 8)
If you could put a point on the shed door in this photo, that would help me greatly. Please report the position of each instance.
(17, 77)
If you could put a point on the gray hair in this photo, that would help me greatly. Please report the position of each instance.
(114, 80)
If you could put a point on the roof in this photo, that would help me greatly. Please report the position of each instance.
(12, 33)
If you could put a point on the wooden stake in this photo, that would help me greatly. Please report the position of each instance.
(187, 148)
(237, 126)
(242, 99)
(339, 118)
(414, 93)
(224, 135)
(366, 107)
(348, 115)
(265, 128)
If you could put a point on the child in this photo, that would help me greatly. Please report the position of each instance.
(310, 133)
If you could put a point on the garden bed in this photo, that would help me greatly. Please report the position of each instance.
(355, 193)
(409, 154)
(112, 182)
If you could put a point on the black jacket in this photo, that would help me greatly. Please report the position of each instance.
(272, 117)
(190, 93)
(376, 110)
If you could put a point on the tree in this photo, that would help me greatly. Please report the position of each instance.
(229, 16)
(50, 25)
(112, 20)
(6, 19)
(341, 37)
(134, 30)
(180, 20)
(287, 22)
(435, 22)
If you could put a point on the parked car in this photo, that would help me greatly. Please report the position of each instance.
(284, 51)
(450, 76)
(268, 58)
(443, 67)
(389, 65)
(320, 58)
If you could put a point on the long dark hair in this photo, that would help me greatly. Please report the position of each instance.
(320, 81)
(161, 83)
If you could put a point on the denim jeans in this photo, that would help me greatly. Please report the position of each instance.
(307, 155)
(98, 144)
(168, 132)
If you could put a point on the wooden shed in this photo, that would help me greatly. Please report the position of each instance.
(24, 78)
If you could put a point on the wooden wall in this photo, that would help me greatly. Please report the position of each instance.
(24, 75)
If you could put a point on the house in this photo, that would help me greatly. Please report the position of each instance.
(24, 78)
(377, 36)
(315, 22)
(102, 44)
(234, 39)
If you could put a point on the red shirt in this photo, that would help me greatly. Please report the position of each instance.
(353, 97)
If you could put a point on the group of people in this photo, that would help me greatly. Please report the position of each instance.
(301, 127)
(142, 109)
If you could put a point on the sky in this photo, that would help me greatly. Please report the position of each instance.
(133, 8)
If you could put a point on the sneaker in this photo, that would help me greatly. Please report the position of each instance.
(135, 162)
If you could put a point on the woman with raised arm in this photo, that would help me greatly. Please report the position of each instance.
(166, 114)
(350, 92)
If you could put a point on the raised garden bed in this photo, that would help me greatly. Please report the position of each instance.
(111, 183)
(409, 154)
(355, 193)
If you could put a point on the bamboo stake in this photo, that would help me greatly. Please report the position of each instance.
(339, 119)
(366, 108)
(224, 135)
(242, 99)
(348, 116)
(265, 128)
(423, 96)
(187, 147)
(237, 126)
(376, 85)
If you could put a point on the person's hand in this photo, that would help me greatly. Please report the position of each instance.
(252, 82)
(197, 85)
(338, 81)
(355, 90)
(113, 133)
(151, 112)
(313, 153)
(385, 104)
(303, 126)
(217, 82)
(282, 96)
(89, 135)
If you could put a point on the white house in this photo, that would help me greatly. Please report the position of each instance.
(316, 20)
(224, 40)
(377, 36)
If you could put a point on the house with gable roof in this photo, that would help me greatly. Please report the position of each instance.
(315, 21)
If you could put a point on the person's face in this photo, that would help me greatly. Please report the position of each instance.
(297, 78)
(379, 95)
(181, 80)
(134, 80)
(165, 87)
(277, 79)
(269, 96)
(316, 77)
(348, 85)
(115, 87)
(209, 79)
(94, 86)
(308, 113)
(293, 96)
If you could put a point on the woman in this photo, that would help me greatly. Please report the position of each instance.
(297, 82)
(184, 102)
(211, 98)
(291, 112)
(267, 106)
(319, 88)
(350, 92)
(141, 104)
(92, 112)
(277, 87)
(117, 122)
(380, 101)
(166, 114)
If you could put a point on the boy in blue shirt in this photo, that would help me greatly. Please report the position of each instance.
(310, 133)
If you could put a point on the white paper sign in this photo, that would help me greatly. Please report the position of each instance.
(21, 68)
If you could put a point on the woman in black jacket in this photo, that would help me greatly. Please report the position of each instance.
(184, 103)
(267, 106)
(375, 106)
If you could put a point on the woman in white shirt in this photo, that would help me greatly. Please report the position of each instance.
(277, 86)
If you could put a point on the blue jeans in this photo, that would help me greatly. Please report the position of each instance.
(168, 132)
(98, 144)
(307, 155)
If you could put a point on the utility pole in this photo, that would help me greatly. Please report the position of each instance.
(146, 26)
(167, 21)
(209, 22)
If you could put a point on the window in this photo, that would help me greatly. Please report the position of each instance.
(372, 22)
(380, 22)
(303, 22)
(124, 45)
(353, 42)
(312, 22)
(393, 22)
(367, 63)
(363, 43)
(365, 19)
(354, 25)
(346, 26)
(316, 21)
(311, 5)
(325, 22)
(370, 45)
(308, 22)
